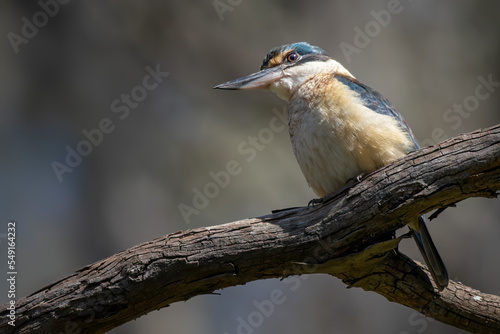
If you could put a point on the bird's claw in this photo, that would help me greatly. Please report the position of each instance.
(355, 179)
(315, 201)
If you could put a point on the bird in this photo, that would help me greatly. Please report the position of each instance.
(340, 129)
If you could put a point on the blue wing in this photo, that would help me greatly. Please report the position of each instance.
(376, 102)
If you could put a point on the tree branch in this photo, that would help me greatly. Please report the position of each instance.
(349, 236)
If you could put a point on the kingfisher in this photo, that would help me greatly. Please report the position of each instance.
(340, 129)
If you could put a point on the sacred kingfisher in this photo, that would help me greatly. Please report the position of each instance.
(339, 128)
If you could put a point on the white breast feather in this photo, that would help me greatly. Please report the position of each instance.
(337, 138)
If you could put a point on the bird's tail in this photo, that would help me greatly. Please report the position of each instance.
(430, 253)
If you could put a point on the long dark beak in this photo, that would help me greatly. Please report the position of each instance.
(261, 79)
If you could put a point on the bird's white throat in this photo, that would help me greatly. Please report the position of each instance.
(295, 76)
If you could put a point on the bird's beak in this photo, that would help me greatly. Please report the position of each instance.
(261, 79)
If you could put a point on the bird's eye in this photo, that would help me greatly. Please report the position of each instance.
(292, 57)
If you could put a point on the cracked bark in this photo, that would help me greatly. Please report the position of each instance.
(348, 236)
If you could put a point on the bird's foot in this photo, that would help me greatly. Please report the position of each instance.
(316, 201)
(355, 179)
(348, 184)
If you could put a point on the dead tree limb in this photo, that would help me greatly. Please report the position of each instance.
(349, 236)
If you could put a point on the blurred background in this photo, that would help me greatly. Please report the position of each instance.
(89, 62)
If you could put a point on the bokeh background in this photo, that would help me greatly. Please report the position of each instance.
(429, 57)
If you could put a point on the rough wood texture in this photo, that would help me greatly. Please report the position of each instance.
(349, 236)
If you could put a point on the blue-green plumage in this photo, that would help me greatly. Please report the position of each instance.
(301, 48)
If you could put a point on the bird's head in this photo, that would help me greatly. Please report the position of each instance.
(286, 67)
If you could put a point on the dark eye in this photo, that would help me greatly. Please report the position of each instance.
(292, 57)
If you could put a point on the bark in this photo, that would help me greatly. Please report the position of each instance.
(348, 236)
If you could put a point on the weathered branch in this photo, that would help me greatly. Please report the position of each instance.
(349, 236)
